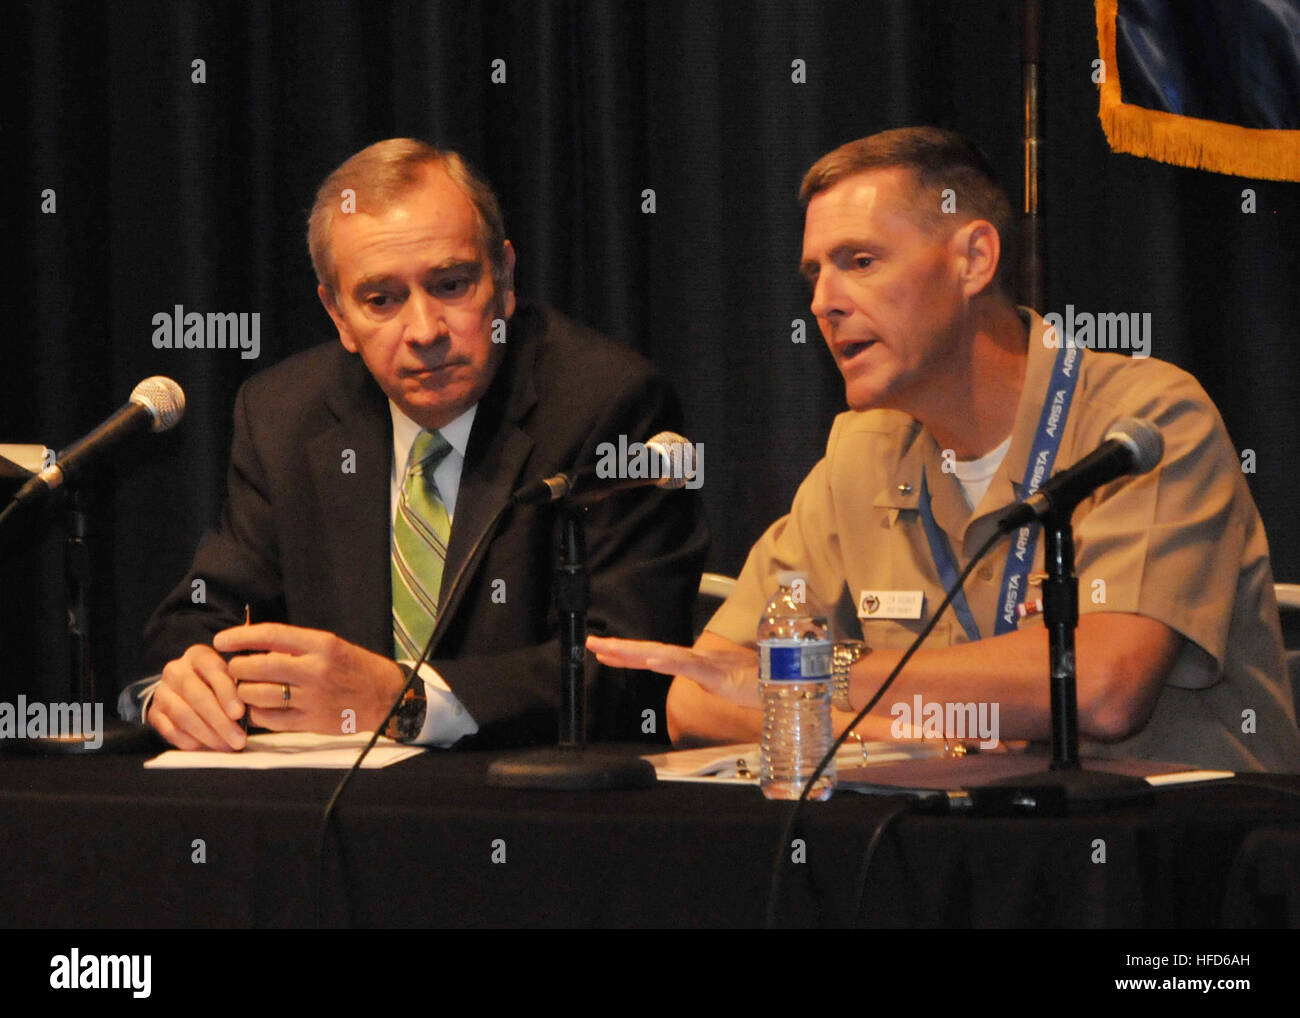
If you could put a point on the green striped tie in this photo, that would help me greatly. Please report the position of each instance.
(420, 531)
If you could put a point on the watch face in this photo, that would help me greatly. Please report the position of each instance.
(405, 725)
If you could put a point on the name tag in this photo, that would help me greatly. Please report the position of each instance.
(890, 604)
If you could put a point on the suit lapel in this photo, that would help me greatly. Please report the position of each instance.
(494, 460)
(484, 492)
(356, 520)
(355, 509)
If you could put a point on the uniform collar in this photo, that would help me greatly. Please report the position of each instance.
(921, 453)
(1033, 395)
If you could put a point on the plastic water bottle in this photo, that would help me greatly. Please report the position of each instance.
(794, 681)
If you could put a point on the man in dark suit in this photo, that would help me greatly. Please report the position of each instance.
(387, 464)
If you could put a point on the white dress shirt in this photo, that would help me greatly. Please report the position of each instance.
(446, 720)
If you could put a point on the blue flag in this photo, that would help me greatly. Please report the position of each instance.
(1213, 84)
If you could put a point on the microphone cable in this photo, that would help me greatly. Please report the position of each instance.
(330, 807)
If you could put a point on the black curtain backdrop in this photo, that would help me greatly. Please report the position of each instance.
(174, 192)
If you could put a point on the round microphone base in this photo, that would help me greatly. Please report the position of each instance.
(113, 736)
(1058, 792)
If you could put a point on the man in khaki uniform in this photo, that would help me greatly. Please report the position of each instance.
(1179, 650)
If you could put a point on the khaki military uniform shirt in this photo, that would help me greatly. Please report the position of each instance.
(1182, 544)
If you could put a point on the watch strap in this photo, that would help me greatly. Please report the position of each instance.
(844, 654)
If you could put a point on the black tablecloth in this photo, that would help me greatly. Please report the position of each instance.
(102, 842)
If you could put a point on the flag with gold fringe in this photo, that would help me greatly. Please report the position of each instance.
(1211, 84)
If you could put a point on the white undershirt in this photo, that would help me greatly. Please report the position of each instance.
(975, 476)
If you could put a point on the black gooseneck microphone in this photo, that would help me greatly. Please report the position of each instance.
(1131, 446)
(156, 404)
(671, 463)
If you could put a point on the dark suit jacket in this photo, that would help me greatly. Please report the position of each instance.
(306, 541)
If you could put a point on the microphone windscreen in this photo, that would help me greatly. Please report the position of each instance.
(677, 458)
(1143, 440)
(163, 398)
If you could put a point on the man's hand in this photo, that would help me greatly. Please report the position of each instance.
(196, 705)
(1122, 661)
(322, 674)
(697, 717)
(722, 668)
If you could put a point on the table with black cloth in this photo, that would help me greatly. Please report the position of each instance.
(100, 842)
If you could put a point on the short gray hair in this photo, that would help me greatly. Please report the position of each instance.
(381, 174)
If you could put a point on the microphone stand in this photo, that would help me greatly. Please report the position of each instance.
(114, 735)
(1061, 616)
(1066, 781)
(572, 598)
(570, 765)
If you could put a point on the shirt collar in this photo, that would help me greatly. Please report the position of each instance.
(1033, 394)
(405, 431)
(922, 453)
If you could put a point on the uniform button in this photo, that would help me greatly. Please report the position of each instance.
(986, 572)
(905, 489)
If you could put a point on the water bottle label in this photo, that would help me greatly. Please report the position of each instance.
(794, 661)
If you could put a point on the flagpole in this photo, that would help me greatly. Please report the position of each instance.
(1032, 262)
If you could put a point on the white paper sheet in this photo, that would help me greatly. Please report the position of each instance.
(738, 763)
(267, 750)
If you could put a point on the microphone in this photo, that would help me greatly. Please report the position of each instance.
(1131, 446)
(156, 404)
(669, 464)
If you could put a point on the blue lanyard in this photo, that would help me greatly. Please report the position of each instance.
(943, 559)
(1020, 556)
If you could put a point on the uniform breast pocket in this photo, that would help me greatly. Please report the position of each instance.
(892, 634)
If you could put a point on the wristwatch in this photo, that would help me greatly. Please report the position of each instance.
(842, 658)
(408, 719)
